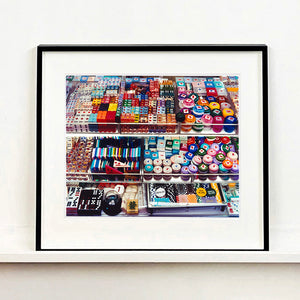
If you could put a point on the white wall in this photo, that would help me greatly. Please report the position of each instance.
(25, 24)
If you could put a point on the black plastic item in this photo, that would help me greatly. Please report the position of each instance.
(111, 203)
(180, 117)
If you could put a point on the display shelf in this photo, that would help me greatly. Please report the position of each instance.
(157, 129)
(192, 133)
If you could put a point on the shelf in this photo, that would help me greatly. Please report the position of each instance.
(192, 133)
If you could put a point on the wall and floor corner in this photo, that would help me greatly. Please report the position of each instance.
(27, 24)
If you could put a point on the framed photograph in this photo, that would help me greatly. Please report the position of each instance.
(152, 148)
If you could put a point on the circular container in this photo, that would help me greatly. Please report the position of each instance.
(220, 157)
(227, 112)
(223, 170)
(207, 159)
(157, 172)
(203, 169)
(224, 105)
(168, 171)
(197, 160)
(214, 105)
(198, 111)
(216, 112)
(178, 159)
(189, 156)
(207, 120)
(201, 152)
(212, 152)
(205, 146)
(225, 140)
(182, 96)
(213, 169)
(172, 159)
(230, 124)
(185, 111)
(180, 117)
(202, 102)
(167, 162)
(227, 164)
(198, 126)
(185, 162)
(188, 123)
(188, 103)
(180, 104)
(147, 171)
(185, 170)
(211, 99)
(193, 170)
(157, 162)
(193, 148)
(215, 146)
(225, 148)
(147, 154)
(206, 109)
(218, 122)
(235, 170)
(233, 156)
(176, 168)
(148, 161)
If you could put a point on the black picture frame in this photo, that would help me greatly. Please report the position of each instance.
(84, 48)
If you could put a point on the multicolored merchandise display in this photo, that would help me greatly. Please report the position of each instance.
(152, 145)
(142, 104)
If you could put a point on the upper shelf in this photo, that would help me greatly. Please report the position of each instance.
(143, 105)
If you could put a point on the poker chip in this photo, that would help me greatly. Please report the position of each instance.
(167, 162)
(206, 109)
(211, 99)
(204, 146)
(233, 156)
(220, 157)
(203, 168)
(194, 97)
(189, 156)
(186, 110)
(188, 103)
(216, 112)
(185, 162)
(214, 105)
(193, 148)
(193, 169)
(225, 148)
(201, 152)
(218, 124)
(207, 159)
(158, 172)
(230, 122)
(197, 160)
(198, 126)
(227, 164)
(215, 146)
(211, 152)
(198, 111)
(157, 162)
(225, 140)
(148, 161)
(227, 112)
(202, 102)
